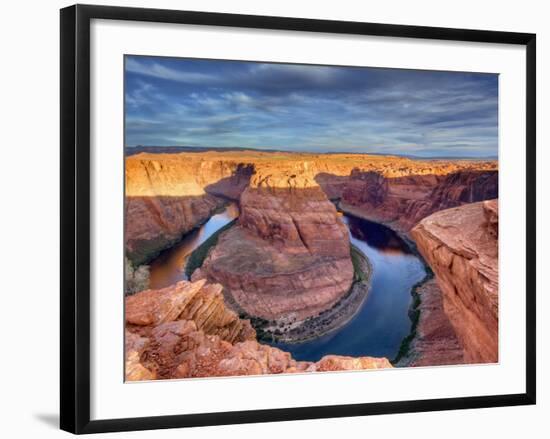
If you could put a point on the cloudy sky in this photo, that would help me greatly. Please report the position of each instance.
(186, 102)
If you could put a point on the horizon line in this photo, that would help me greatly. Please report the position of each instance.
(272, 149)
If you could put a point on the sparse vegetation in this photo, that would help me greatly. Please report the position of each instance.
(414, 315)
(136, 278)
(361, 266)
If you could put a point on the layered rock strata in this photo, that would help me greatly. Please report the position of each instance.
(186, 331)
(289, 255)
(166, 198)
(402, 202)
(167, 195)
(461, 246)
(203, 304)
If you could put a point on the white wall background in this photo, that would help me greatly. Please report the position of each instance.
(29, 181)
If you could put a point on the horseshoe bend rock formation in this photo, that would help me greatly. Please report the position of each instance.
(461, 246)
(289, 254)
(403, 201)
(186, 331)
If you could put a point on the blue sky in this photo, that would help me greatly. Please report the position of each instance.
(209, 103)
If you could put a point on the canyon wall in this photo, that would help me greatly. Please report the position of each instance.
(185, 330)
(433, 341)
(461, 246)
(402, 202)
(167, 195)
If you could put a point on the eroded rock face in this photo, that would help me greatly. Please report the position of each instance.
(264, 281)
(134, 347)
(435, 342)
(167, 196)
(289, 253)
(461, 247)
(197, 343)
(156, 223)
(339, 362)
(402, 202)
(153, 307)
(366, 188)
(194, 301)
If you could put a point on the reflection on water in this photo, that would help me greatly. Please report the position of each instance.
(376, 235)
(169, 266)
(379, 327)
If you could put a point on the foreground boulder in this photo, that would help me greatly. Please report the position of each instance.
(153, 307)
(199, 339)
(461, 246)
(193, 301)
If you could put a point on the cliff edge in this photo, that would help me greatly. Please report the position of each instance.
(461, 246)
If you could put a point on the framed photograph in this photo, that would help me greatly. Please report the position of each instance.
(268, 218)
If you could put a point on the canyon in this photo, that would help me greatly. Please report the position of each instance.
(288, 256)
(167, 195)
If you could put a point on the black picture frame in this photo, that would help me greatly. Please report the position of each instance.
(75, 217)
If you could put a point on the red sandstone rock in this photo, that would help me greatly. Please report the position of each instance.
(153, 307)
(403, 201)
(339, 362)
(289, 255)
(156, 223)
(192, 345)
(366, 188)
(208, 311)
(193, 301)
(460, 246)
(134, 347)
(167, 195)
(435, 342)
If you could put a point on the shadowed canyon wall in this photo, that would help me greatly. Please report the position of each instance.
(166, 198)
(403, 201)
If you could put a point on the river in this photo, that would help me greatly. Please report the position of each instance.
(169, 267)
(382, 322)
